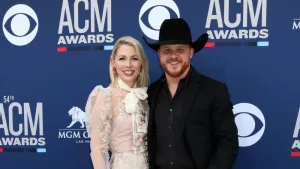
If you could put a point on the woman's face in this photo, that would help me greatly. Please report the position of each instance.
(127, 64)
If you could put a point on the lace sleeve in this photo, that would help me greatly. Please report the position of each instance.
(98, 112)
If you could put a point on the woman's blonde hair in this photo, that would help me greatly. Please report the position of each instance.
(143, 78)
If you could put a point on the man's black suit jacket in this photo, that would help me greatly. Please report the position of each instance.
(207, 126)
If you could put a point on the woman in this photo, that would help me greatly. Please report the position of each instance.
(117, 116)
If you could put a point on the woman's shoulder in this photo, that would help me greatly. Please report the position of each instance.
(100, 90)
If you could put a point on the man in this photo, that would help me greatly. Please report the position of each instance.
(191, 123)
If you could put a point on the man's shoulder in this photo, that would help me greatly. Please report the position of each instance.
(215, 88)
(212, 83)
(153, 85)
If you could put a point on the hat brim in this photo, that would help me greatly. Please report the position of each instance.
(197, 44)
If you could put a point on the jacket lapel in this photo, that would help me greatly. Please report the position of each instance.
(154, 94)
(188, 99)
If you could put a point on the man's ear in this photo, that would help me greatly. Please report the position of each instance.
(191, 53)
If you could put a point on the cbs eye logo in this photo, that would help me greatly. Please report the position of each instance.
(245, 115)
(17, 27)
(157, 11)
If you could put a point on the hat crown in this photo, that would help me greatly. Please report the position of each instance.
(175, 29)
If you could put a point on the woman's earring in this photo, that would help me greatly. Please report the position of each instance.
(115, 71)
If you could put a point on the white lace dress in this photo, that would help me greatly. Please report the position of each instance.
(117, 119)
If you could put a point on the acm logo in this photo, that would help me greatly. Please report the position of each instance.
(296, 24)
(21, 124)
(296, 144)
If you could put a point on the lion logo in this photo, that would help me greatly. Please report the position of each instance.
(77, 116)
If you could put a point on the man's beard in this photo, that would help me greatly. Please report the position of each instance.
(175, 74)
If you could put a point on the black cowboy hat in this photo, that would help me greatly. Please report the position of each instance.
(177, 31)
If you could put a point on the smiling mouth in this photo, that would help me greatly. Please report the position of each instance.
(128, 72)
(173, 63)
